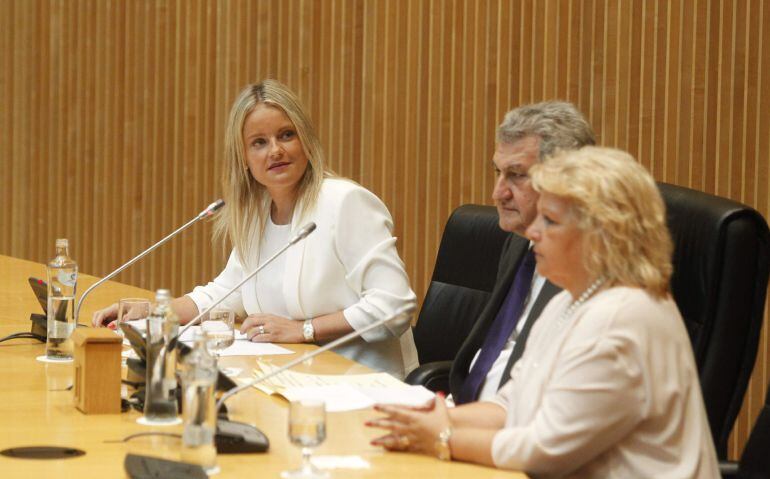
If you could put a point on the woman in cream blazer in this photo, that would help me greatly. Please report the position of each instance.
(349, 264)
(343, 277)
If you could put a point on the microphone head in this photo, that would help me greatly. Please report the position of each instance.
(303, 232)
(213, 208)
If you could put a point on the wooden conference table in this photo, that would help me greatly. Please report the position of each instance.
(37, 408)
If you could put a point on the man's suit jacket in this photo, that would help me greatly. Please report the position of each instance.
(510, 258)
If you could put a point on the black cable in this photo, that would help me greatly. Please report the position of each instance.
(23, 336)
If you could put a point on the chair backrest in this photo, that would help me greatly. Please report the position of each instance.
(719, 283)
(463, 278)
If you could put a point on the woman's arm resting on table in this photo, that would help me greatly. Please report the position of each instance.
(412, 429)
(485, 415)
(185, 308)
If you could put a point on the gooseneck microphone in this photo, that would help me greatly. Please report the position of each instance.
(234, 437)
(404, 314)
(209, 211)
(301, 234)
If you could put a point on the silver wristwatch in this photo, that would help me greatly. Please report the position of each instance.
(308, 331)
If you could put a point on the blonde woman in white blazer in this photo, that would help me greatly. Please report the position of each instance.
(346, 275)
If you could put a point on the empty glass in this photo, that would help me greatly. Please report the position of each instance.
(132, 309)
(219, 327)
(307, 429)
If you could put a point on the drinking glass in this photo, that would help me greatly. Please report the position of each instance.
(307, 429)
(219, 327)
(132, 309)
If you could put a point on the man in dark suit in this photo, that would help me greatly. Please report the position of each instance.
(528, 134)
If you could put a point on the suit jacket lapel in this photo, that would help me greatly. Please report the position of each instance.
(513, 251)
(548, 291)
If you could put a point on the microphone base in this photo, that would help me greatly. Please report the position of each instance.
(234, 437)
(39, 326)
(145, 467)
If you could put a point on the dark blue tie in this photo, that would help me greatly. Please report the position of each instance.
(500, 330)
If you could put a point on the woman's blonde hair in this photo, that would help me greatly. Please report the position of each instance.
(247, 202)
(620, 211)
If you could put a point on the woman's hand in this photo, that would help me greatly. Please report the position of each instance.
(266, 328)
(412, 429)
(105, 316)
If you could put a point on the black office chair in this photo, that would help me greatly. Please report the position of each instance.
(755, 460)
(463, 278)
(719, 284)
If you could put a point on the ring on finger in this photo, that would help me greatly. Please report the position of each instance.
(261, 329)
(403, 441)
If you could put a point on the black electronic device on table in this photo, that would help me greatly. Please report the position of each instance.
(232, 437)
(39, 327)
(146, 467)
(136, 339)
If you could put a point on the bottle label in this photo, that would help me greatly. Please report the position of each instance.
(68, 278)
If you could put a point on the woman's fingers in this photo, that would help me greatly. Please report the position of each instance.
(104, 316)
(386, 423)
(394, 442)
(399, 413)
(250, 322)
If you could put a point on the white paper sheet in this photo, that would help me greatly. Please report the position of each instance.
(189, 335)
(244, 347)
(343, 392)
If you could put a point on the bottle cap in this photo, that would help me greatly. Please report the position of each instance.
(162, 295)
(62, 243)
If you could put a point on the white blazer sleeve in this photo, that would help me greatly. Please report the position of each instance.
(365, 245)
(204, 296)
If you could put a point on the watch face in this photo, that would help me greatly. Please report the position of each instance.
(307, 331)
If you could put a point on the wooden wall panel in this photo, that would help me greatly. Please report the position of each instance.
(112, 111)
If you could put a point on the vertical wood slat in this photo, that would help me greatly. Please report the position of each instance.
(116, 109)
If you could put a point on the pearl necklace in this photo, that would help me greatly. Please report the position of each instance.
(582, 299)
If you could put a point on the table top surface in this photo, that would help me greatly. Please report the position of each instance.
(37, 407)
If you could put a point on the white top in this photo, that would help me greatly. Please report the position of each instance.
(270, 280)
(495, 374)
(349, 264)
(611, 392)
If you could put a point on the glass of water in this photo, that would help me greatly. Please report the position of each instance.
(219, 327)
(307, 429)
(132, 309)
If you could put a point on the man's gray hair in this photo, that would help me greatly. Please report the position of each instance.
(558, 124)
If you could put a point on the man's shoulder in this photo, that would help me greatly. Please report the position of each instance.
(513, 248)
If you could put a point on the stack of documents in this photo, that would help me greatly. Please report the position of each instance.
(342, 392)
(241, 346)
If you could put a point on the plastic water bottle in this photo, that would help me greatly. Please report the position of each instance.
(62, 274)
(198, 372)
(160, 405)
